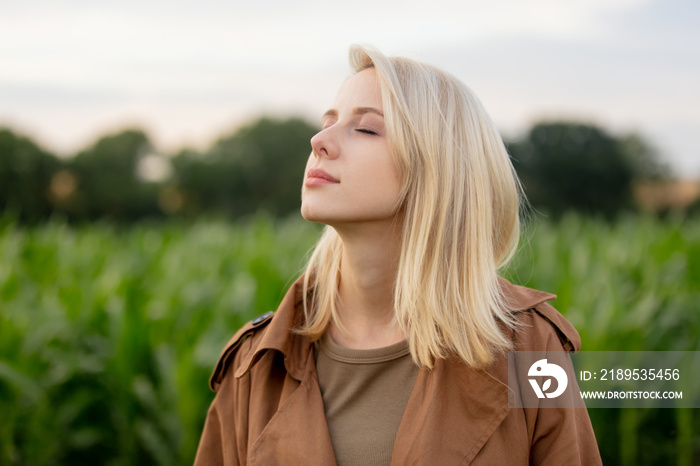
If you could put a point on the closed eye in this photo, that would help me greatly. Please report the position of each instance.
(366, 131)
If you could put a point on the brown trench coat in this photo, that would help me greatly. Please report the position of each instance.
(268, 408)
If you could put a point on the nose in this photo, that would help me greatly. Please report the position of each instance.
(325, 145)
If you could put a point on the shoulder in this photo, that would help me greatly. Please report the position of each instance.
(272, 331)
(541, 327)
(240, 346)
(544, 328)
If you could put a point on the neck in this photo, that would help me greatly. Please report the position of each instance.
(367, 274)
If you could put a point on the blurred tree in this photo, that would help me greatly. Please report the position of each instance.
(25, 174)
(574, 166)
(644, 158)
(107, 184)
(205, 182)
(563, 166)
(260, 166)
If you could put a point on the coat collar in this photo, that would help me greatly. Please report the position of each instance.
(520, 298)
(277, 335)
(296, 348)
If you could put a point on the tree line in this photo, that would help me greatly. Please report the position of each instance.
(122, 177)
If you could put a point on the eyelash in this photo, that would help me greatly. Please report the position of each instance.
(366, 131)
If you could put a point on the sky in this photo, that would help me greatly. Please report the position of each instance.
(190, 72)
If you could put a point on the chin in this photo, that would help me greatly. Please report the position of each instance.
(313, 215)
(323, 217)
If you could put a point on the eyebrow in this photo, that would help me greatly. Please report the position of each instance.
(355, 111)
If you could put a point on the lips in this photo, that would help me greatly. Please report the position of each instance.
(316, 176)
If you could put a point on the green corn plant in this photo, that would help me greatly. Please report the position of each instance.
(108, 335)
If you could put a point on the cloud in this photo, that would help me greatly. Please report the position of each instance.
(185, 68)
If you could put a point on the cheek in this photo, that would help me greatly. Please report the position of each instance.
(389, 172)
(381, 180)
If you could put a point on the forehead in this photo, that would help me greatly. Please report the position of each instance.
(360, 90)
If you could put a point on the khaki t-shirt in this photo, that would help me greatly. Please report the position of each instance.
(365, 393)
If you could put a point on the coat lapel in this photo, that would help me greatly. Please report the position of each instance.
(298, 433)
(451, 413)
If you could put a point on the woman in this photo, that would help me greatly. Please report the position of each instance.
(392, 347)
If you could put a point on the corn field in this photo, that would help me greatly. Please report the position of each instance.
(108, 335)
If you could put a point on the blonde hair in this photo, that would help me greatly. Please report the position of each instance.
(460, 199)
